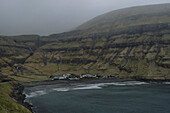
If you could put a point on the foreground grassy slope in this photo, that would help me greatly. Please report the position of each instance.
(131, 42)
(8, 104)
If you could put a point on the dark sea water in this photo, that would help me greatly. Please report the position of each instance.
(117, 97)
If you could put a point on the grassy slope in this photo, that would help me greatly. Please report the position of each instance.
(8, 104)
(124, 18)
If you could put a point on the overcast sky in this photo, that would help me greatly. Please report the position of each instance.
(46, 17)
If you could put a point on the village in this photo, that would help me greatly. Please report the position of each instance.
(82, 76)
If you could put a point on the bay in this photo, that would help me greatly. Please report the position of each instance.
(115, 97)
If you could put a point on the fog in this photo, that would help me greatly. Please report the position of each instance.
(46, 17)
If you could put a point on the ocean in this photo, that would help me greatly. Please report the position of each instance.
(115, 97)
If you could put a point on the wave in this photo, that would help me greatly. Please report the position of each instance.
(83, 87)
(99, 85)
(36, 93)
(129, 83)
(91, 86)
(61, 89)
(167, 83)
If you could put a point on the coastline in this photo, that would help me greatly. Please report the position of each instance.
(88, 81)
(18, 95)
(67, 82)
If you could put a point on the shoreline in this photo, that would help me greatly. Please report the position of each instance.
(20, 97)
(88, 81)
(69, 82)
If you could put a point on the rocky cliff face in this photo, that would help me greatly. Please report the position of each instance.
(139, 50)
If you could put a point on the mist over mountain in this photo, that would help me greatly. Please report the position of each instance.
(125, 18)
(20, 17)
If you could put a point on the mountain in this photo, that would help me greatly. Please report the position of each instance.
(132, 42)
(128, 17)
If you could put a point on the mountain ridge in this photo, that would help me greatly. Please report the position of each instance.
(136, 47)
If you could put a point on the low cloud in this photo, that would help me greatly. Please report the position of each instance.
(45, 17)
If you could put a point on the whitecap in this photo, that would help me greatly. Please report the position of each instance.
(61, 89)
(36, 93)
(84, 87)
(100, 85)
(129, 83)
(132, 83)
(167, 83)
(92, 86)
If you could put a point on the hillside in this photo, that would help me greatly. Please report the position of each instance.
(131, 42)
(128, 17)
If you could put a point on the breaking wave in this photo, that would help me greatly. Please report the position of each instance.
(99, 85)
(167, 83)
(91, 86)
(129, 83)
(83, 87)
(61, 89)
(36, 93)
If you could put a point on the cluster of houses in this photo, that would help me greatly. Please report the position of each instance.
(77, 77)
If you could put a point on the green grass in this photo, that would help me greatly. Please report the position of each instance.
(7, 103)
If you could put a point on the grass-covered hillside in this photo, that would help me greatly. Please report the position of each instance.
(131, 42)
(8, 104)
(128, 17)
